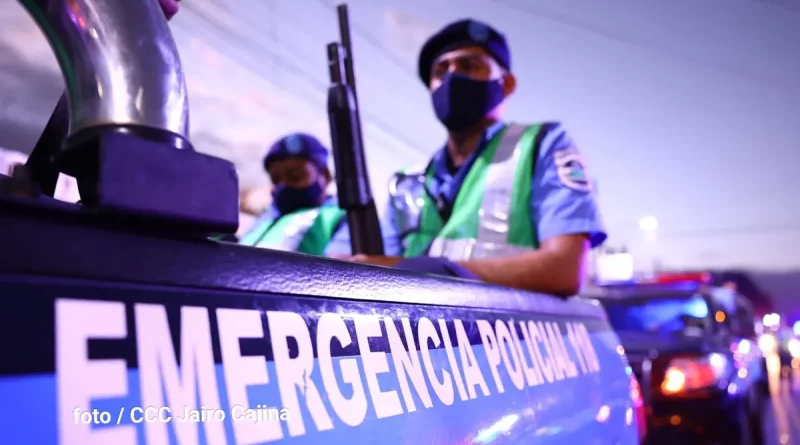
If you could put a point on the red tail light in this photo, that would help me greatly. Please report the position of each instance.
(679, 277)
(638, 413)
(684, 375)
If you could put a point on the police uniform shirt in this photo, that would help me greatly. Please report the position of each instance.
(339, 245)
(562, 201)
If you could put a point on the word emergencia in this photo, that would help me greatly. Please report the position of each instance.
(327, 369)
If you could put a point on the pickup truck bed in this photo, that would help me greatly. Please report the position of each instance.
(230, 344)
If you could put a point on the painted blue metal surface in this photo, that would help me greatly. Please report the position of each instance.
(112, 321)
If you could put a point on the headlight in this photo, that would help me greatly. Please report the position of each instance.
(794, 347)
(692, 373)
(767, 343)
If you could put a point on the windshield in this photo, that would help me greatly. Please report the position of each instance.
(675, 315)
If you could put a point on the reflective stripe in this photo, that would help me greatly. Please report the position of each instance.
(492, 203)
(495, 209)
(406, 195)
(465, 249)
(496, 204)
(293, 232)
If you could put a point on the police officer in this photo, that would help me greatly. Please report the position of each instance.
(510, 203)
(303, 217)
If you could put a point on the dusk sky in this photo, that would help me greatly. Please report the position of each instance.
(686, 110)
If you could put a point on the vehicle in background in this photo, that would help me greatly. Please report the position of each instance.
(782, 343)
(788, 349)
(793, 347)
(693, 348)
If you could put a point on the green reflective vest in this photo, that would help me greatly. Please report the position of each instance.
(305, 231)
(491, 215)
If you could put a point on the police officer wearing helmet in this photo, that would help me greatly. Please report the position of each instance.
(303, 217)
(510, 203)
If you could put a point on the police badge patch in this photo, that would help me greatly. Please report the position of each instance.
(294, 144)
(571, 170)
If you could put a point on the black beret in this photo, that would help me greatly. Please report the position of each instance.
(298, 145)
(467, 32)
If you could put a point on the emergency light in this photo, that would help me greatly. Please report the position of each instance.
(615, 269)
(684, 277)
(693, 373)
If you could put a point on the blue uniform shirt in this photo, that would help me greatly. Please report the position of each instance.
(562, 202)
(340, 243)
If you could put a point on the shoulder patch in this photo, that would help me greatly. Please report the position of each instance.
(571, 169)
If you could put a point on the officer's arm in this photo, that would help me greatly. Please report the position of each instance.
(555, 268)
(565, 212)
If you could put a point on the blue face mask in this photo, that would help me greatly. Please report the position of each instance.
(461, 102)
(288, 200)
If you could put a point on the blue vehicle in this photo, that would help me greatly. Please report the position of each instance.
(124, 323)
(693, 348)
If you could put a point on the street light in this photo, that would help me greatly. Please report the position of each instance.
(648, 227)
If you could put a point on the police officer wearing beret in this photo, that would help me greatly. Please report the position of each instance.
(510, 203)
(303, 217)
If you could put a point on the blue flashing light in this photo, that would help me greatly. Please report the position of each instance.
(796, 328)
(697, 308)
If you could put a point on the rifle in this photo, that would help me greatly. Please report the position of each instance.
(352, 181)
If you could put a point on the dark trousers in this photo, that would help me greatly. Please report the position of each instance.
(438, 266)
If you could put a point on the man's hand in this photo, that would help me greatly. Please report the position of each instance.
(375, 260)
(557, 267)
(170, 7)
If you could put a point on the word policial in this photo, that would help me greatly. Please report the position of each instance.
(520, 354)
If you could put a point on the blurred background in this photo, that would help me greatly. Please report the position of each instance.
(687, 111)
